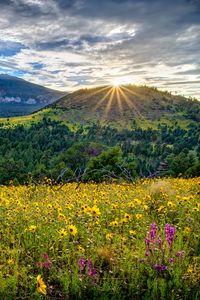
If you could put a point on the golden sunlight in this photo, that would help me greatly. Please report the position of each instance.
(121, 81)
(117, 97)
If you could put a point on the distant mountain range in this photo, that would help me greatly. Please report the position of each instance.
(20, 97)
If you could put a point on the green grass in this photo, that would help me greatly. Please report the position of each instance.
(74, 119)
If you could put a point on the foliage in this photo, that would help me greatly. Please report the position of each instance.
(110, 165)
(49, 148)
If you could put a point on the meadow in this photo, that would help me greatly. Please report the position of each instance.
(101, 241)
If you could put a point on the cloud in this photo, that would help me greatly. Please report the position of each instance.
(183, 82)
(69, 43)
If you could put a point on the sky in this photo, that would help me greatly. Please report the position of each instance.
(70, 44)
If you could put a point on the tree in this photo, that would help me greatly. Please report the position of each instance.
(110, 165)
(194, 170)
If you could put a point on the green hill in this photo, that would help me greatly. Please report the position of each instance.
(126, 104)
(121, 107)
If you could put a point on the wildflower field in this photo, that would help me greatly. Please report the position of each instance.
(101, 241)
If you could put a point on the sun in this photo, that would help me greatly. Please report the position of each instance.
(116, 82)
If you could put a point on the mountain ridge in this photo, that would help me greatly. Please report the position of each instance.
(20, 97)
(127, 102)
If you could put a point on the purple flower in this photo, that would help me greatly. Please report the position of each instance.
(81, 263)
(91, 270)
(147, 241)
(171, 260)
(159, 241)
(45, 256)
(169, 234)
(180, 254)
(153, 232)
(160, 268)
(47, 262)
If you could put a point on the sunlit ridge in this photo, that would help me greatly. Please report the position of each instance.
(118, 97)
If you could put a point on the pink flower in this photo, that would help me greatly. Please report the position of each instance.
(91, 270)
(47, 264)
(81, 263)
(180, 254)
(171, 260)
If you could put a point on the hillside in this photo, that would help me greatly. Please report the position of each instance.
(20, 97)
(126, 104)
(147, 132)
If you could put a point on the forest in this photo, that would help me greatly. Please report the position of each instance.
(94, 152)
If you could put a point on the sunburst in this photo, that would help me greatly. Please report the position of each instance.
(109, 103)
(84, 98)
(119, 102)
(119, 81)
(130, 91)
(103, 99)
(130, 103)
(118, 97)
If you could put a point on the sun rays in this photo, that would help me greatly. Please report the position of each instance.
(119, 81)
(108, 102)
(119, 102)
(106, 96)
(130, 103)
(116, 100)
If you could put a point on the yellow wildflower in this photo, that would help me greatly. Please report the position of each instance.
(61, 216)
(32, 228)
(195, 209)
(145, 207)
(132, 232)
(95, 210)
(127, 216)
(41, 286)
(170, 204)
(114, 223)
(187, 230)
(80, 249)
(10, 261)
(62, 232)
(138, 216)
(73, 230)
(160, 209)
(124, 221)
(109, 236)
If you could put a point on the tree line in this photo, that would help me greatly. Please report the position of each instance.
(95, 152)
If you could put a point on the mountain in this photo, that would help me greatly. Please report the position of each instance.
(126, 104)
(20, 97)
(136, 128)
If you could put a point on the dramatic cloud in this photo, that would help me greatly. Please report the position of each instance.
(66, 44)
